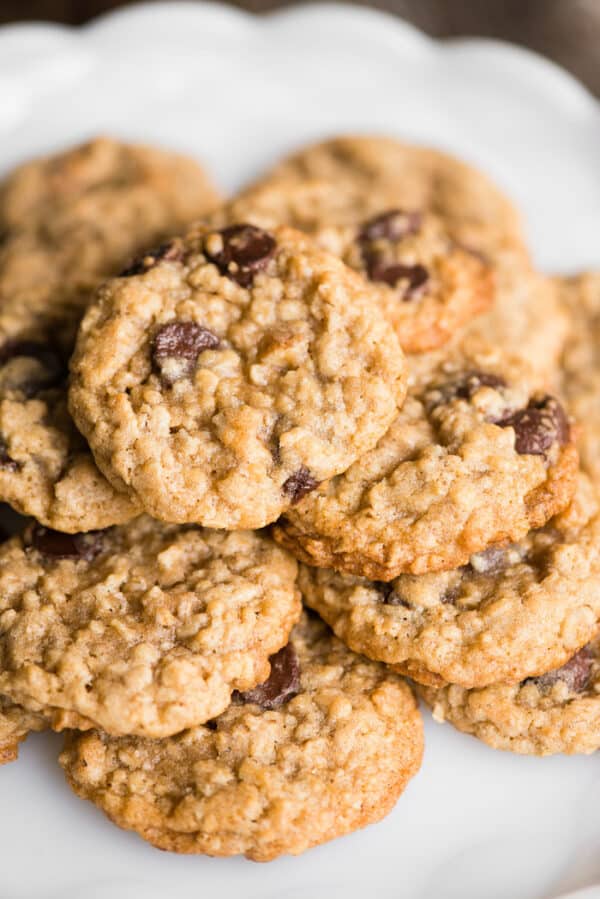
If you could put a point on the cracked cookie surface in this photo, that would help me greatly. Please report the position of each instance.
(326, 749)
(140, 629)
(68, 221)
(514, 611)
(556, 712)
(223, 379)
(475, 457)
(427, 285)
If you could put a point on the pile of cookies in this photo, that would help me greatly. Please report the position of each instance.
(278, 454)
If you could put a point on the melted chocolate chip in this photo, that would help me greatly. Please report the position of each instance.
(176, 348)
(171, 251)
(299, 484)
(575, 674)
(539, 426)
(52, 370)
(211, 725)
(56, 545)
(282, 684)
(246, 251)
(392, 225)
(6, 461)
(414, 278)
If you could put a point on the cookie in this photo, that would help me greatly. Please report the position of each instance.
(428, 286)
(15, 724)
(222, 379)
(140, 629)
(513, 611)
(475, 457)
(68, 222)
(527, 320)
(385, 173)
(556, 712)
(579, 372)
(324, 747)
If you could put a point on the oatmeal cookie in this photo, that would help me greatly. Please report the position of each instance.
(382, 173)
(579, 372)
(222, 379)
(68, 222)
(15, 723)
(140, 629)
(324, 747)
(527, 320)
(556, 712)
(514, 611)
(428, 286)
(475, 457)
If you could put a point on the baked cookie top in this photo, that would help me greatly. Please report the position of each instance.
(579, 372)
(386, 173)
(325, 746)
(427, 284)
(475, 457)
(69, 221)
(513, 611)
(556, 712)
(527, 320)
(15, 723)
(143, 628)
(222, 378)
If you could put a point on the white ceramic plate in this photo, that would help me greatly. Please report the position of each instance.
(238, 91)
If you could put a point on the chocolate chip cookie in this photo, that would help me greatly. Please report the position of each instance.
(324, 747)
(475, 457)
(140, 629)
(385, 173)
(579, 372)
(527, 320)
(15, 723)
(556, 712)
(427, 284)
(513, 611)
(69, 221)
(223, 378)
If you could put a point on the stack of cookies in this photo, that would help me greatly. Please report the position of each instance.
(279, 454)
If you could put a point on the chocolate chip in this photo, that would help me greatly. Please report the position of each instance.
(176, 348)
(412, 278)
(472, 381)
(539, 426)
(6, 461)
(52, 370)
(211, 725)
(282, 684)
(171, 251)
(56, 545)
(246, 250)
(464, 386)
(299, 484)
(391, 225)
(575, 674)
